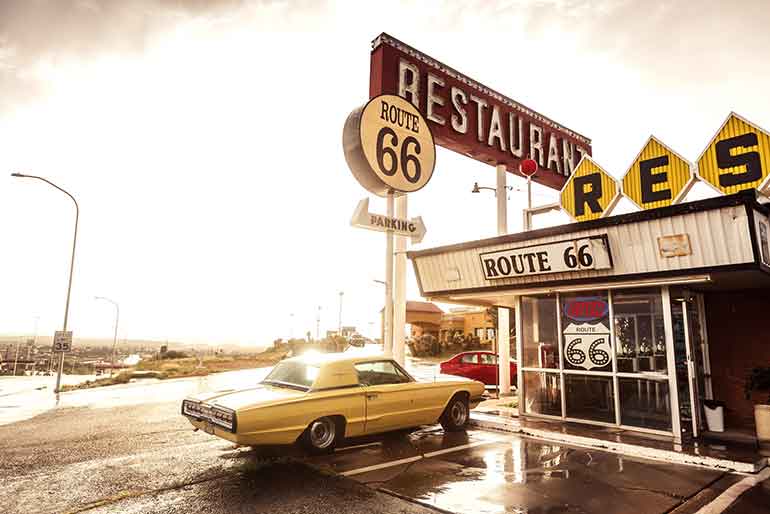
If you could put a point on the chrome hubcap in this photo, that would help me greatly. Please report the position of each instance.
(322, 433)
(458, 413)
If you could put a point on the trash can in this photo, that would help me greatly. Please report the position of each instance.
(715, 415)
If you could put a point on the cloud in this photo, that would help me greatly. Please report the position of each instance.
(34, 32)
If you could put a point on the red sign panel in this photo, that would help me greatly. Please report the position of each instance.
(586, 309)
(471, 119)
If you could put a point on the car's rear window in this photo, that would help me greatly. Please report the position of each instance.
(297, 374)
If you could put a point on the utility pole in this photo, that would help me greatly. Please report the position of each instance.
(16, 360)
(339, 327)
(115, 335)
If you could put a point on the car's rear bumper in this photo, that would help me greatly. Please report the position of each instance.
(212, 429)
(270, 437)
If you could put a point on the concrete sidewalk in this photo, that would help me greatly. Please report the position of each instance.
(742, 458)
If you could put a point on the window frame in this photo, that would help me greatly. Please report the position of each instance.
(396, 366)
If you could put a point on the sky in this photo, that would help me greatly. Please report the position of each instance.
(202, 140)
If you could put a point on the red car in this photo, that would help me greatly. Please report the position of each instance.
(479, 365)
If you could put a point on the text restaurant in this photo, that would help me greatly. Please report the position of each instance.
(632, 321)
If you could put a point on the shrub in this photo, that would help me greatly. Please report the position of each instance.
(174, 354)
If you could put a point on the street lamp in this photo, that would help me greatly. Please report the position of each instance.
(115, 336)
(72, 265)
(339, 328)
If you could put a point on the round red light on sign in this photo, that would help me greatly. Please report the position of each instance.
(528, 167)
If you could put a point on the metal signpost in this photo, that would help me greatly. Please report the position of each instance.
(62, 341)
(390, 150)
(412, 228)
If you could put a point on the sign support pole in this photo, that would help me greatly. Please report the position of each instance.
(399, 292)
(503, 331)
(387, 343)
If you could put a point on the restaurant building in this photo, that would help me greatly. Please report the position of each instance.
(629, 321)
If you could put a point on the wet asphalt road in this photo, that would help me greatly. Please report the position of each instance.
(142, 456)
(147, 459)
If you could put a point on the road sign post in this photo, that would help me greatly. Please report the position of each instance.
(62, 341)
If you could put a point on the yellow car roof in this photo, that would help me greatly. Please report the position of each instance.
(335, 369)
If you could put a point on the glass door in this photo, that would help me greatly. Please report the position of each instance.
(689, 347)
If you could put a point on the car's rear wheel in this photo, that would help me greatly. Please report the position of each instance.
(322, 435)
(455, 416)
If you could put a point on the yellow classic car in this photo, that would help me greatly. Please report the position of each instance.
(319, 400)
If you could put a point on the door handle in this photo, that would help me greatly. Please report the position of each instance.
(371, 396)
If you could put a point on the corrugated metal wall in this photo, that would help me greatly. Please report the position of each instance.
(718, 237)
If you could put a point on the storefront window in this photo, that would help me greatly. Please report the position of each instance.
(605, 360)
(640, 339)
(587, 345)
(542, 393)
(540, 346)
(589, 397)
(645, 403)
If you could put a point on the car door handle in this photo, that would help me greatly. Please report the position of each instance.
(371, 396)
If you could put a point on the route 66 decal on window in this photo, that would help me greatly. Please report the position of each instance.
(587, 346)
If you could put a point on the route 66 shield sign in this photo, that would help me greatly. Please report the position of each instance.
(587, 346)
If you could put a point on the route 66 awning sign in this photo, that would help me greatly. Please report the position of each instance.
(587, 345)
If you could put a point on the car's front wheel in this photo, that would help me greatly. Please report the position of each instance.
(322, 435)
(455, 416)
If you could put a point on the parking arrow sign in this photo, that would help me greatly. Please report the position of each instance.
(413, 228)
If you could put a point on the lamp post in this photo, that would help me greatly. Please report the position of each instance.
(72, 265)
(115, 335)
(339, 327)
(503, 314)
(318, 324)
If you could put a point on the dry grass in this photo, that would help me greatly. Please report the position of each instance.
(121, 378)
(181, 368)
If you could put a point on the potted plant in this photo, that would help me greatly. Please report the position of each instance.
(759, 380)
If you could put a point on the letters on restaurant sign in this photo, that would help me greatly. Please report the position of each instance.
(571, 255)
(736, 158)
(473, 120)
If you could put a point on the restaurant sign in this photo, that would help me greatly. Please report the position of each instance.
(737, 158)
(472, 119)
(590, 253)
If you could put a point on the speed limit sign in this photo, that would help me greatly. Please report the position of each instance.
(389, 146)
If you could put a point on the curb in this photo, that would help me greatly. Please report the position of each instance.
(491, 422)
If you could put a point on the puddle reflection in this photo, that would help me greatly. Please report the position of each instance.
(494, 479)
